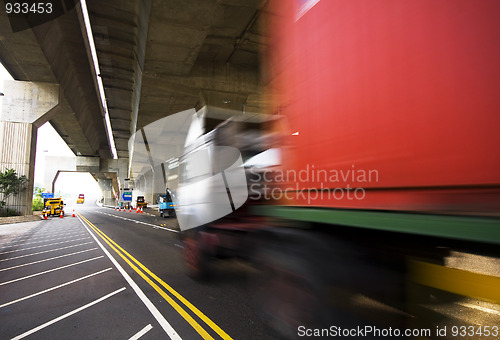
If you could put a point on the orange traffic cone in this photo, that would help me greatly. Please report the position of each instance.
(141, 210)
(44, 215)
(73, 213)
(61, 214)
(137, 210)
(115, 208)
(130, 209)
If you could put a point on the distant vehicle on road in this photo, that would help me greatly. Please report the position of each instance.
(80, 199)
(53, 206)
(167, 204)
(141, 202)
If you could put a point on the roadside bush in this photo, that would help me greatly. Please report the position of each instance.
(6, 212)
(37, 204)
(10, 184)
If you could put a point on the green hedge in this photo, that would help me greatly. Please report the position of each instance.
(37, 204)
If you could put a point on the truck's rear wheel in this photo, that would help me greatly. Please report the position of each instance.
(287, 294)
(195, 258)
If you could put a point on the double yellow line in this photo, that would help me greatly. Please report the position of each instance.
(129, 259)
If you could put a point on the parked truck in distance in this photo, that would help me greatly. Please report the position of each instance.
(53, 207)
(167, 204)
(140, 202)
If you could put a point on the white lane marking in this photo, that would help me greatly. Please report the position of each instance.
(50, 232)
(48, 235)
(482, 309)
(19, 241)
(157, 315)
(141, 332)
(50, 270)
(52, 258)
(148, 224)
(50, 239)
(53, 231)
(43, 252)
(36, 329)
(45, 245)
(55, 287)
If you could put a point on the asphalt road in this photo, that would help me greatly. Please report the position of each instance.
(106, 274)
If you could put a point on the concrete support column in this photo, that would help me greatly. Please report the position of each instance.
(148, 187)
(140, 184)
(17, 151)
(106, 186)
(24, 107)
(158, 183)
(137, 182)
(117, 166)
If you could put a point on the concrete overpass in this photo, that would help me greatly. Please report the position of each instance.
(156, 58)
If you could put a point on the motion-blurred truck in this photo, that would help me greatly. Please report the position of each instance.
(389, 162)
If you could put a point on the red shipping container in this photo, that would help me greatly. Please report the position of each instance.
(399, 98)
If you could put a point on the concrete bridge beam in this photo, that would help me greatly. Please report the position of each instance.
(88, 164)
(119, 167)
(106, 186)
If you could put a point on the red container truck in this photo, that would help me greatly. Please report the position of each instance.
(400, 99)
(390, 159)
(392, 112)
